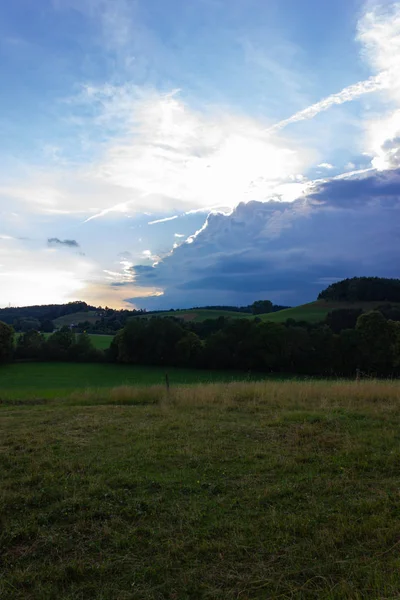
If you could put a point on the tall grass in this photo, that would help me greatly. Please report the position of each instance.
(291, 394)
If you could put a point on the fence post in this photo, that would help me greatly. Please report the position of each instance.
(167, 381)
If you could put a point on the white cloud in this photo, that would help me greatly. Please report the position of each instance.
(34, 275)
(163, 220)
(352, 92)
(170, 158)
(325, 165)
(379, 34)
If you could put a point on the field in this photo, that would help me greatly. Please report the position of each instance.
(75, 318)
(52, 380)
(241, 491)
(316, 311)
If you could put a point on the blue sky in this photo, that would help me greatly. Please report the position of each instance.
(211, 151)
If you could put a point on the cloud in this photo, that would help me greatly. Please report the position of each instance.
(326, 166)
(163, 220)
(169, 158)
(285, 251)
(379, 34)
(57, 242)
(352, 92)
(31, 274)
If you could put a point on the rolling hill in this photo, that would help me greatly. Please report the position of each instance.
(312, 312)
(79, 317)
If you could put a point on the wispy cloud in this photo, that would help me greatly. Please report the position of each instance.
(379, 34)
(163, 220)
(325, 165)
(352, 92)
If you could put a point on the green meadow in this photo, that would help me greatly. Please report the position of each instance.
(275, 490)
(51, 380)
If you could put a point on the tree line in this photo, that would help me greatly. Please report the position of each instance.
(345, 342)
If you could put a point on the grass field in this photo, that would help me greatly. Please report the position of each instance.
(239, 491)
(75, 318)
(316, 311)
(52, 380)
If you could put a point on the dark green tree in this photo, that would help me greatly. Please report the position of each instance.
(376, 342)
(261, 307)
(30, 345)
(6, 342)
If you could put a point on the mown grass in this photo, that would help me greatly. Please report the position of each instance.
(52, 380)
(241, 491)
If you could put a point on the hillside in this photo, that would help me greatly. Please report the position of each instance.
(312, 312)
(315, 312)
(79, 317)
(197, 315)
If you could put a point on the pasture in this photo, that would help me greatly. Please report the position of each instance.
(52, 380)
(221, 491)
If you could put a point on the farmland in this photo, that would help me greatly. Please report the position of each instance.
(246, 490)
(52, 380)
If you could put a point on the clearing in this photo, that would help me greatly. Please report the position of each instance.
(239, 491)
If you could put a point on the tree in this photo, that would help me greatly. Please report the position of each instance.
(342, 318)
(30, 345)
(261, 307)
(188, 350)
(376, 342)
(27, 324)
(82, 349)
(348, 352)
(6, 342)
(47, 326)
(57, 346)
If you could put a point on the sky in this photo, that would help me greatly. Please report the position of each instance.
(176, 153)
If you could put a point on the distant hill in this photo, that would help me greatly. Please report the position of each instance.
(43, 312)
(363, 289)
(92, 316)
(198, 315)
(315, 312)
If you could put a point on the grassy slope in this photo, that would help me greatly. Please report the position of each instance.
(311, 312)
(76, 318)
(249, 491)
(50, 380)
(316, 311)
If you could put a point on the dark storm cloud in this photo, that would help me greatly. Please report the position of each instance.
(285, 251)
